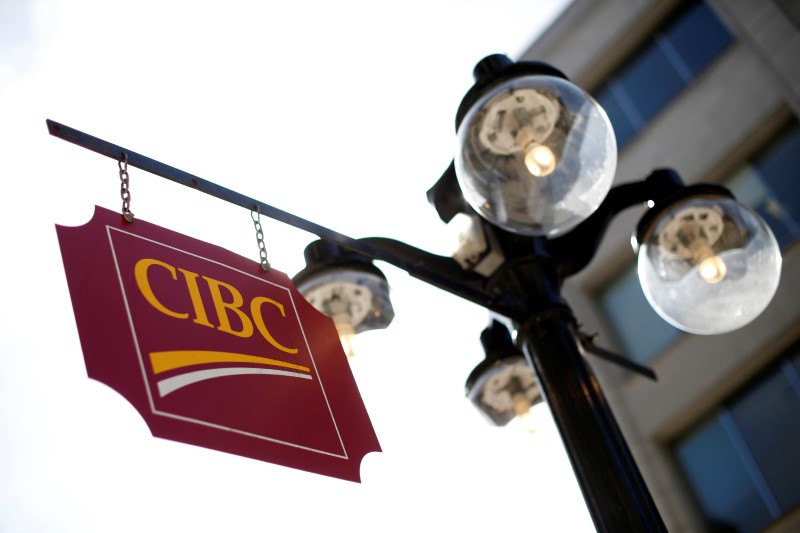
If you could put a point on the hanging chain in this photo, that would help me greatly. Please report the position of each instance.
(124, 188)
(262, 249)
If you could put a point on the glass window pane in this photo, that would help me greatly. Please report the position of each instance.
(651, 81)
(623, 129)
(698, 36)
(779, 167)
(662, 68)
(770, 186)
(768, 417)
(723, 487)
(641, 332)
(749, 188)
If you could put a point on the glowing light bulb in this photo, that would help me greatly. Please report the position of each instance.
(540, 161)
(710, 266)
(347, 336)
(522, 409)
(712, 269)
(528, 422)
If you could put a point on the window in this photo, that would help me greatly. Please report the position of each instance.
(742, 460)
(689, 42)
(769, 184)
(641, 332)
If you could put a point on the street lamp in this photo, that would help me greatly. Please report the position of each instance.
(532, 182)
(536, 154)
(347, 287)
(533, 179)
(707, 263)
(503, 385)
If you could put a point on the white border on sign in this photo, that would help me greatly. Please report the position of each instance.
(202, 422)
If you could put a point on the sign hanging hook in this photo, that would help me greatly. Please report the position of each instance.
(255, 214)
(124, 188)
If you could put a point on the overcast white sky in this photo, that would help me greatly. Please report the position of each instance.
(340, 112)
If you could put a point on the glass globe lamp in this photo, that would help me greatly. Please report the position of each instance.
(503, 386)
(536, 155)
(707, 263)
(348, 288)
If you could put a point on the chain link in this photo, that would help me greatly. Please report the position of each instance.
(262, 249)
(124, 188)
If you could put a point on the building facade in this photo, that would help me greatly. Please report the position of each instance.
(710, 88)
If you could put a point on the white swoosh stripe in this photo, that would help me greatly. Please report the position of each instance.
(165, 386)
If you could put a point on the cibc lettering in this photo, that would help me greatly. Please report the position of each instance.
(228, 302)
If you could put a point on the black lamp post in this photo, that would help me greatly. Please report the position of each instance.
(534, 179)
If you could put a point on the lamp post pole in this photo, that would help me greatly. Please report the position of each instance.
(613, 488)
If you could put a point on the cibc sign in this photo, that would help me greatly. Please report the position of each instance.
(211, 350)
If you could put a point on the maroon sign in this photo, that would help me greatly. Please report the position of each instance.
(211, 350)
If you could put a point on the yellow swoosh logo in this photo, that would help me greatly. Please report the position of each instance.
(163, 361)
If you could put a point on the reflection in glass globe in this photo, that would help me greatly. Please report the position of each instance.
(709, 265)
(536, 156)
